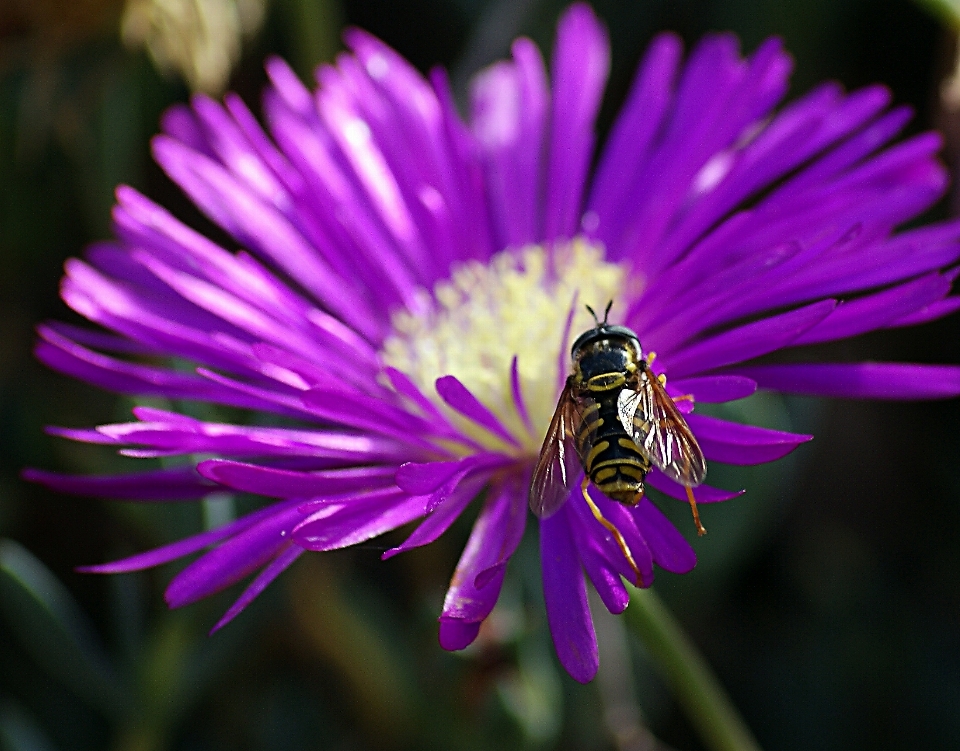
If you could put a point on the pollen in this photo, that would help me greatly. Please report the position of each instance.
(516, 305)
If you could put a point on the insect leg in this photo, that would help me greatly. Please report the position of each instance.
(696, 514)
(613, 530)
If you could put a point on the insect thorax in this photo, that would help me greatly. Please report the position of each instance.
(604, 363)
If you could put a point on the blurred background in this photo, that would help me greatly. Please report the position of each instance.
(827, 599)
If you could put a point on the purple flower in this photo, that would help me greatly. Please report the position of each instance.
(401, 311)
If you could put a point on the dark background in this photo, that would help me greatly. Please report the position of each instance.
(827, 599)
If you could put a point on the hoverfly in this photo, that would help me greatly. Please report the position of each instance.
(614, 421)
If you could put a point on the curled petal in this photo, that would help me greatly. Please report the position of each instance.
(476, 582)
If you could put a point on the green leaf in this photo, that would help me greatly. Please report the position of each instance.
(55, 631)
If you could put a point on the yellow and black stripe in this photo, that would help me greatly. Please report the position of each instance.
(611, 459)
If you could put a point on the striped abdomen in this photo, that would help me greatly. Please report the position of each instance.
(611, 459)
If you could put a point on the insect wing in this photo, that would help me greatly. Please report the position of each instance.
(558, 466)
(650, 417)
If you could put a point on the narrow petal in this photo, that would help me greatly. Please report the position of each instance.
(459, 397)
(280, 563)
(352, 521)
(511, 496)
(443, 508)
(420, 479)
(189, 545)
(581, 63)
(928, 313)
(867, 380)
(704, 493)
(234, 559)
(733, 443)
(509, 107)
(634, 130)
(565, 595)
(878, 310)
(282, 483)
(604, 575)
(723, 388)
(107, 372)
(748, 341)
(175, 484)
(492, 541)
(669, 548)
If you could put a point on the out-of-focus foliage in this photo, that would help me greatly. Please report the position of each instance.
(827, 598)
(200, 39)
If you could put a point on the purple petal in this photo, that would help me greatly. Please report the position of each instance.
(491, 542)
(877, 310)
(669, 548)
(723, 388)
(459, 397)
(282, 483)
(581, 62)
(175, 484)
(748, 341)
(178, 549)
(565, 595)
(443, 508)
(368, 413)
(295, 94)
(110, 373)
(719, 99)
(635, 129)
(606, 544)
(477, 235)
(605, 576)
(733, 443)
(271, 571)
(512, 520)
(517, 393)
(405, 387)
(168, 433)
(420, 479)
(234, 559)
(258, 226)
(455, 634)
(352, 521)
(97, 339)
(509, 107)
(179, 121)
(704, 493)
(605, 567)
(868, 380)
(929, 313)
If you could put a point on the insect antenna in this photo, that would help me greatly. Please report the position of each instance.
(595, 319)
(606, 313)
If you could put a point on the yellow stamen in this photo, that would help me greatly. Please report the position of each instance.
(485, 314)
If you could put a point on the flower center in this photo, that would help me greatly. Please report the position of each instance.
(486, 314)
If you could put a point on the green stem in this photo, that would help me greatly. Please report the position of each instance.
(684, 668)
